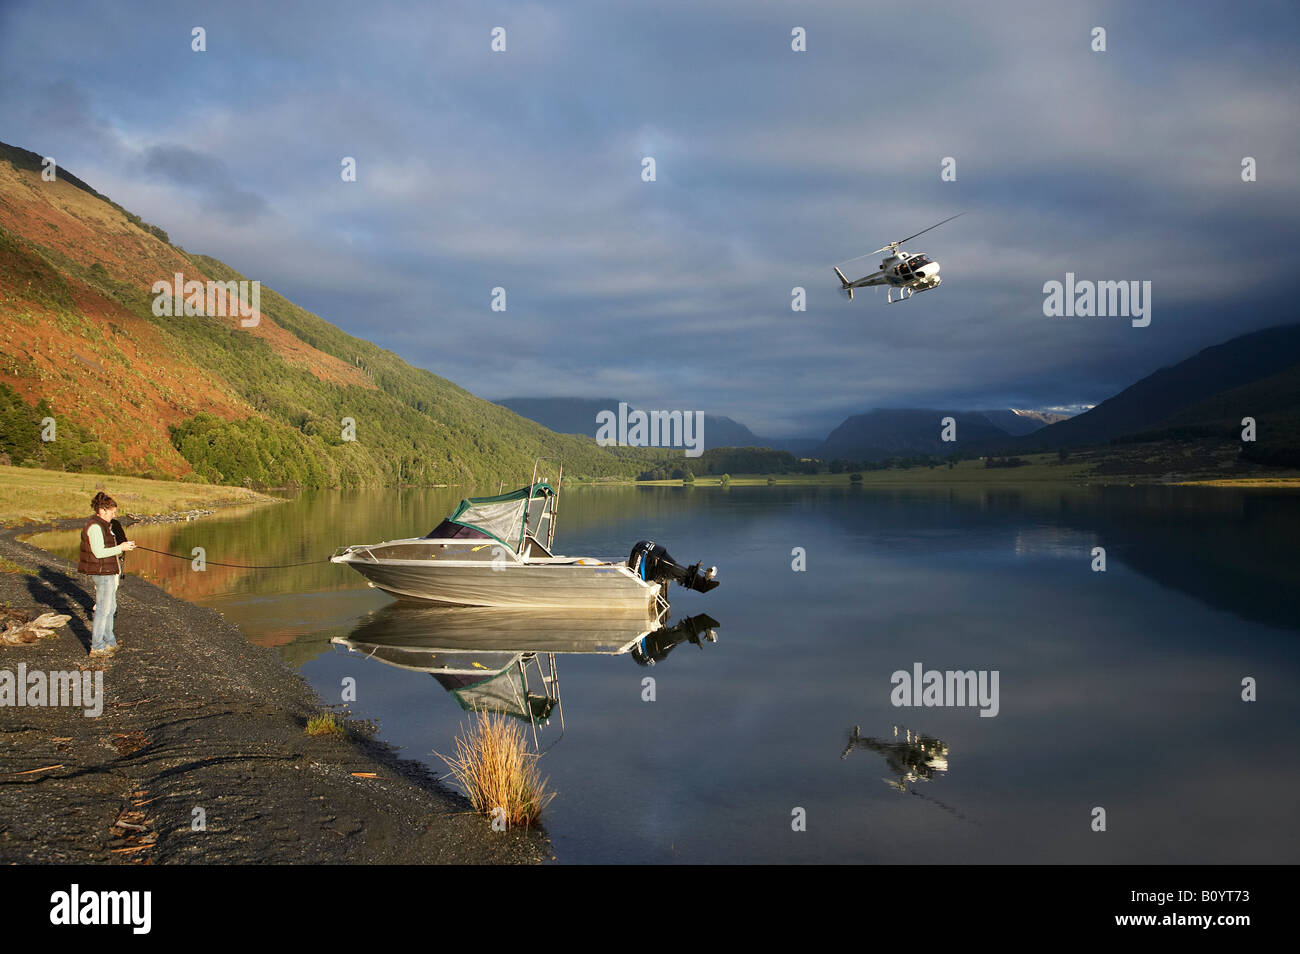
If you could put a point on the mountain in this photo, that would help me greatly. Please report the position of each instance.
(183, 396)
(861, 437)
(578, 416)
(1018, 423)
(798, 446)
(894, 432)
(1254, 374)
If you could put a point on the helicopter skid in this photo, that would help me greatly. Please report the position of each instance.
(907, 291)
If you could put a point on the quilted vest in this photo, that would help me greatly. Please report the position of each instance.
(88, 562)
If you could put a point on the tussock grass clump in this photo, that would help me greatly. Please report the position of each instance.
(9, 566)
(494, 768)
(327, 723)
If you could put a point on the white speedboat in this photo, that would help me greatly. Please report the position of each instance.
(496, 551)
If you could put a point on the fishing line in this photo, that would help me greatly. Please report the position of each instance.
(238, 566)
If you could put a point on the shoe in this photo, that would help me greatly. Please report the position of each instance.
(101, 652)
(111, 648)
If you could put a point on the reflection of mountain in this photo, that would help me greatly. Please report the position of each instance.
(1233, 550)
(913, 758)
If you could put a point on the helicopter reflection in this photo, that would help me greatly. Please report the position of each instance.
(916, 758)
(504, 660)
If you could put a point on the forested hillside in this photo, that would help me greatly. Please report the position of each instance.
(203, 397)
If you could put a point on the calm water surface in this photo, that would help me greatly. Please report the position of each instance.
(1119, 689)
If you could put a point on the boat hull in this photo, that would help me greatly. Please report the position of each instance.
(563, 586)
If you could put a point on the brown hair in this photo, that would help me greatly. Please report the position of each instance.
(102, 501)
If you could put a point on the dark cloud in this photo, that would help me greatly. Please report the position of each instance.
(207, 177)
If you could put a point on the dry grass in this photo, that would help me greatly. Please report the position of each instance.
(327, 723)
(1283, 483)
(29, 495)
(9, 566)
(494, 768)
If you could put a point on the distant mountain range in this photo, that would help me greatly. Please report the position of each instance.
(578, 416)
(878, 434)
(1207, 396)
(903, 432)
(1016, 422)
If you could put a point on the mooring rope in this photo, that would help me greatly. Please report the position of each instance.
(237, 566)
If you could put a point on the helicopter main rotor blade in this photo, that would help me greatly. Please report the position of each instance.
(923, 231)
(894, 245)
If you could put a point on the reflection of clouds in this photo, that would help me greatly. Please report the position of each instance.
(1052, 541)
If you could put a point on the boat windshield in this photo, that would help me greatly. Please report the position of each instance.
(451, 531)
(503, 518)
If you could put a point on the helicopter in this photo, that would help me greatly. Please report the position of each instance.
(909, 273)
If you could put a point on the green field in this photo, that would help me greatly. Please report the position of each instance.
(29, 495)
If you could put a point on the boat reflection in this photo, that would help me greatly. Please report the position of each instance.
(504, 660)
(913, 758)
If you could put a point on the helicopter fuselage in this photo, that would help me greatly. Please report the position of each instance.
(909, 269)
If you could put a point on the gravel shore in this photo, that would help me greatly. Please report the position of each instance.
(196, 717)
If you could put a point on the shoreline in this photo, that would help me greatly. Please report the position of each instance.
(199, 724)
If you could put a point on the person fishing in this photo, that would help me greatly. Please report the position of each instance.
(103, 564)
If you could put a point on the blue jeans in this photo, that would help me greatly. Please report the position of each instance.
(101, 630)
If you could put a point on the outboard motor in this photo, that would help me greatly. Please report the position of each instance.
(652, 563)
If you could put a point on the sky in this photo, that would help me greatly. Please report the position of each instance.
(522, 169)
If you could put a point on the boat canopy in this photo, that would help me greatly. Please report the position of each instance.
(503, 518)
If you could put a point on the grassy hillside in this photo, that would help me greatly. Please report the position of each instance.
(1274, 404)
(205, 399)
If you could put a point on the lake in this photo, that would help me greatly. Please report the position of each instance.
(1118, 689)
